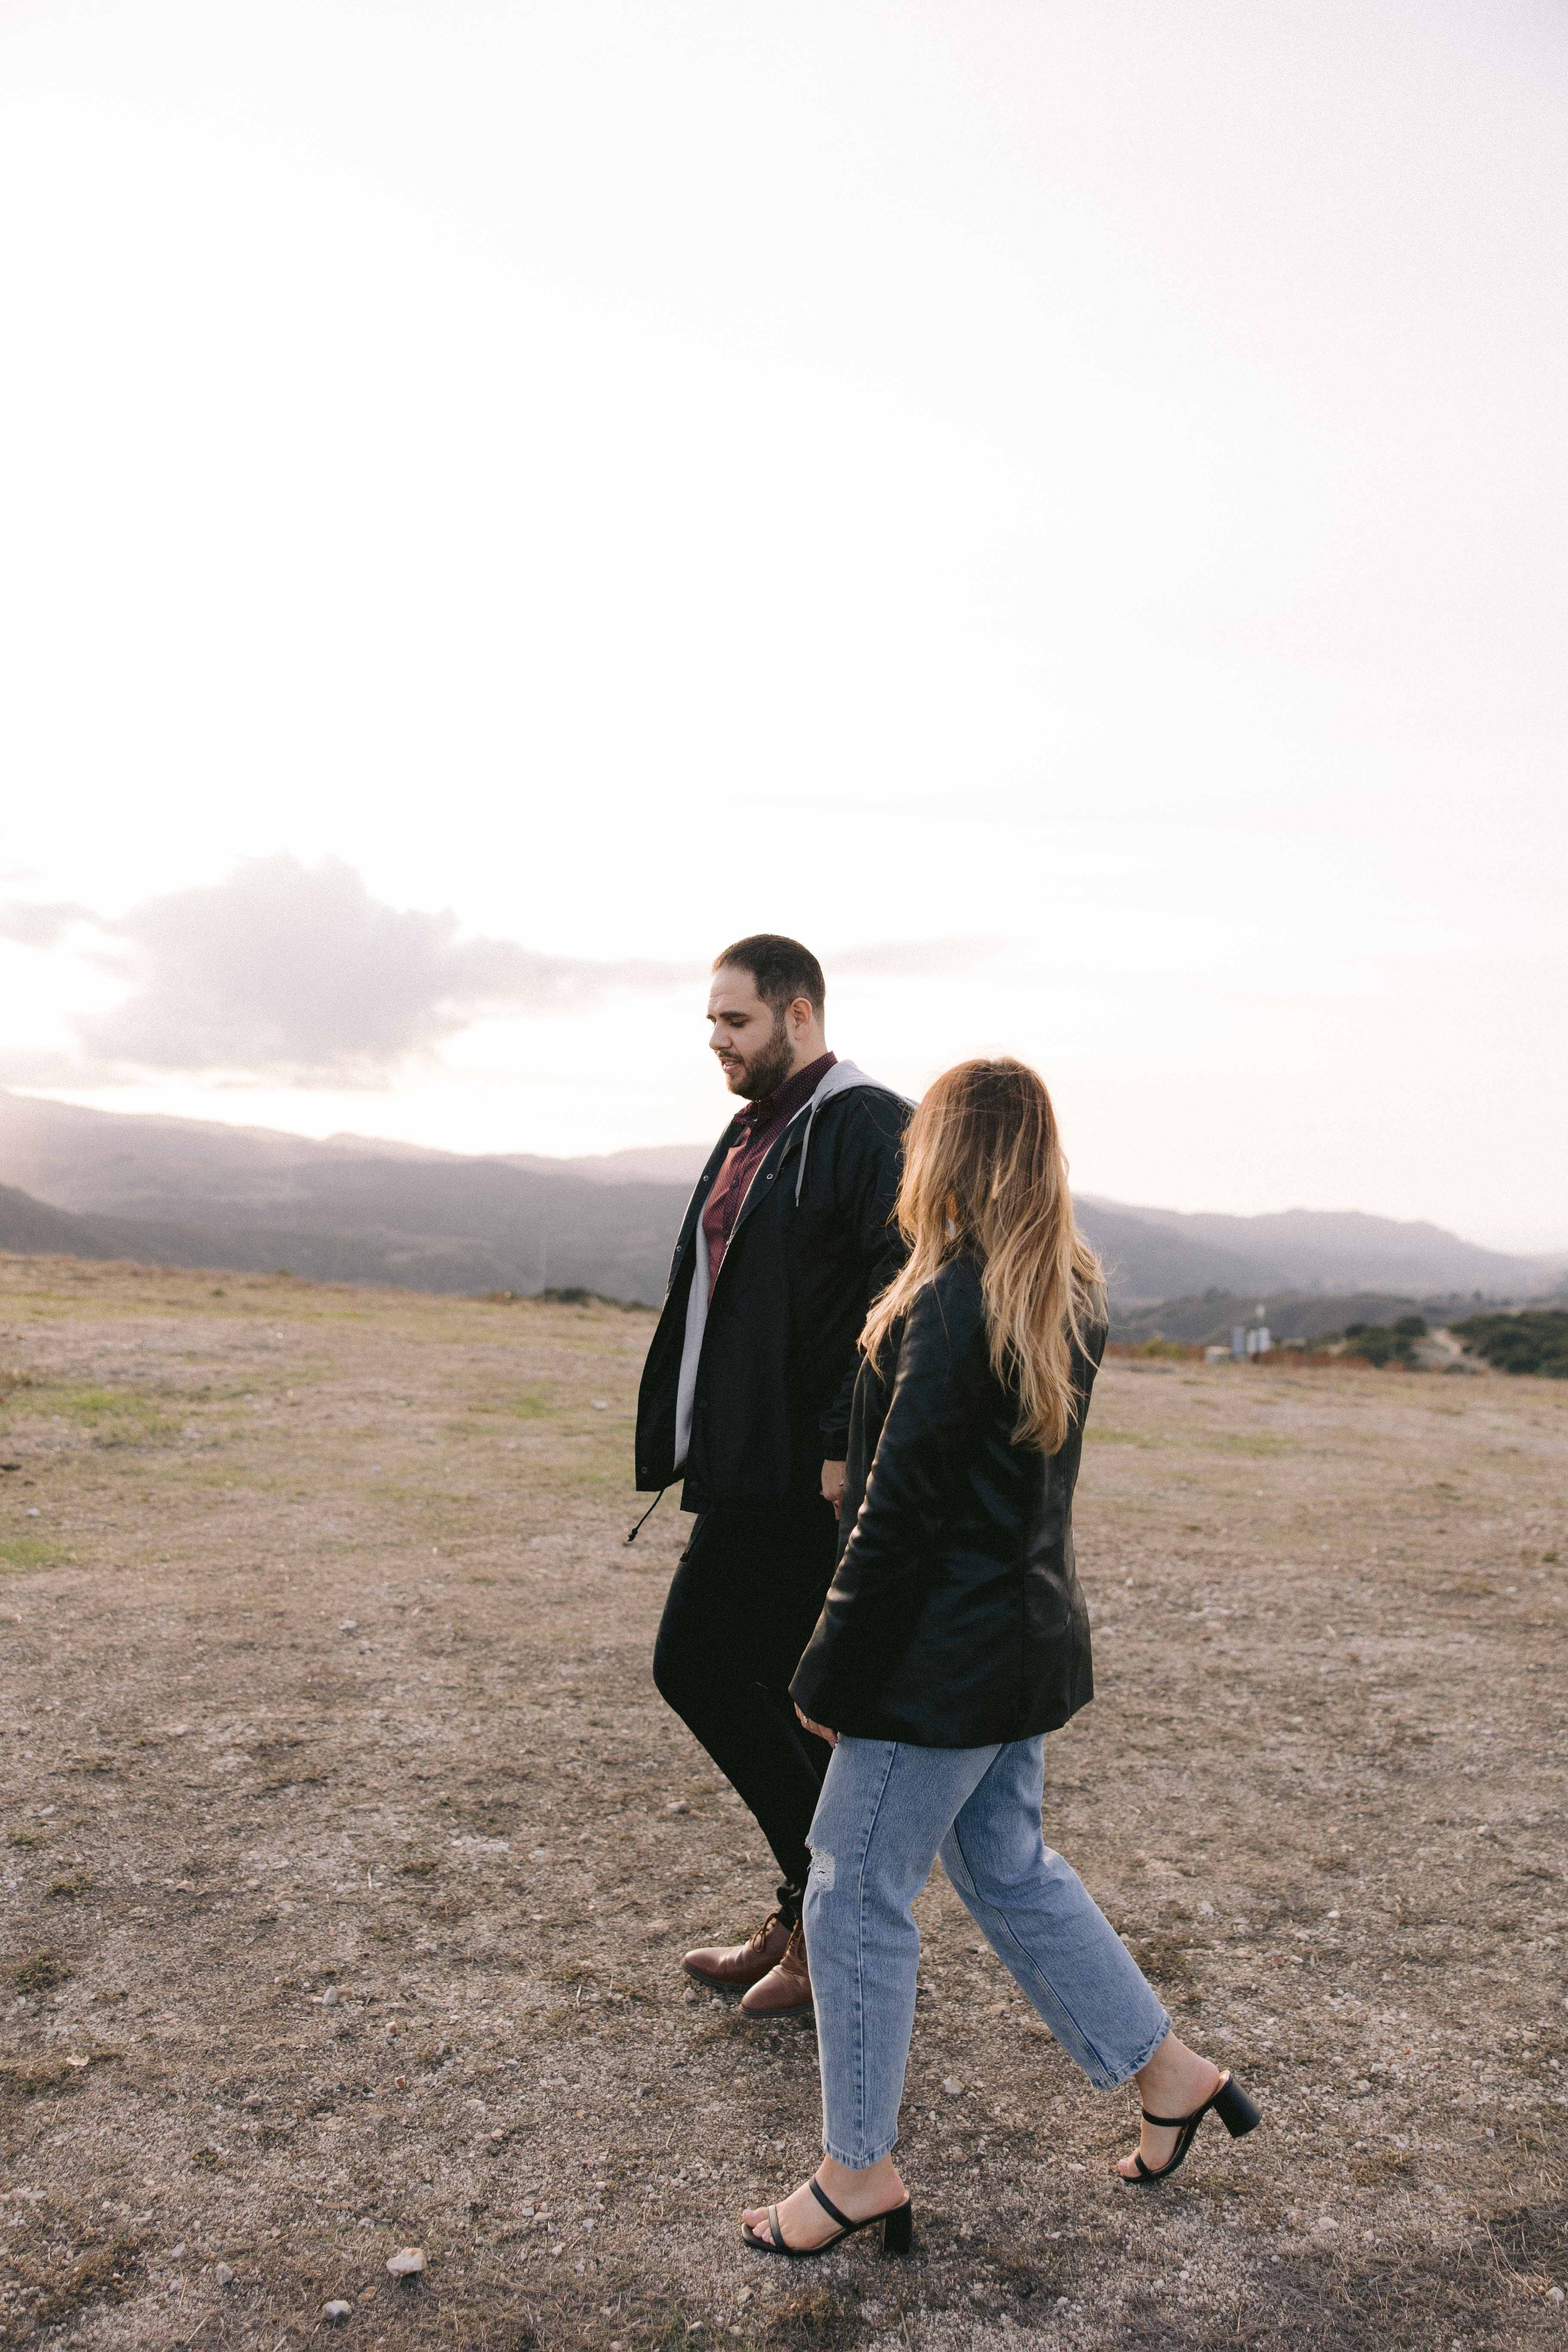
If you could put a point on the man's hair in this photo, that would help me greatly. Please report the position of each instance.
(781, 969)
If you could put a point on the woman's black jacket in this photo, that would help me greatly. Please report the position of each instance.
(954, 1618)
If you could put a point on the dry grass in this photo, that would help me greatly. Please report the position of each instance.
(325, 1694)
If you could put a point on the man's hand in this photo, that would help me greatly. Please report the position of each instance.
(820, 1729)
(832, 1484)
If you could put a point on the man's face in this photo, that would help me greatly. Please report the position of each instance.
(752, 1040)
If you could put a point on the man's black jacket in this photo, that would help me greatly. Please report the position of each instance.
(810, 1250)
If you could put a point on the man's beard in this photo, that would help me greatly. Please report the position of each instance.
(770, 1066)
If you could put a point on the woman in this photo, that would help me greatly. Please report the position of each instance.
(953, 1637)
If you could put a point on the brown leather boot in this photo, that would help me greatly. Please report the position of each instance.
(787, 1985)
(742, 1964)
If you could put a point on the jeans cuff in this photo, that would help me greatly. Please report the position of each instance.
(1113, 2079)
(861, 2162)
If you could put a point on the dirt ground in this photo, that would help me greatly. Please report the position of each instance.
(350, 1855)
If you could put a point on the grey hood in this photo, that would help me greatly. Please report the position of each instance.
(841, 1079)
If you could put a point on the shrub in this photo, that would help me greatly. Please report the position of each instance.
(1380, 1344)
(40, 1972)
(1533, 1341)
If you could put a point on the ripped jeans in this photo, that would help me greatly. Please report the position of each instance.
(887, 1809)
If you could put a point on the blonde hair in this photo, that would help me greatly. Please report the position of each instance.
(984, 1173)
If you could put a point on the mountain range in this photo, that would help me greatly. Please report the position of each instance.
(176, 1192)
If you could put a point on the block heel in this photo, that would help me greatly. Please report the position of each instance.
(1236, 2110)
(898, 2229)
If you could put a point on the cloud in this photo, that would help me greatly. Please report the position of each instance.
(914, 959)
(297, 973)
(33, 923)
(288, 973)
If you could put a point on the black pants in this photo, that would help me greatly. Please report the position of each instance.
(742, 1607)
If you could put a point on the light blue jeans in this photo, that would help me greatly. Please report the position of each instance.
(887, 1809)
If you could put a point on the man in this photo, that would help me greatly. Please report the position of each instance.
(786, 1241)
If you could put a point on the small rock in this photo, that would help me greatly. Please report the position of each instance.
(175, 2251)
(601, 1405)
(349, 1626)
(1553, 2295)
(223, 2275)
(253, 2100)
(331, 1997)
(337, 2314)
(953, 2089)
(680, 1806)
(406, 2262)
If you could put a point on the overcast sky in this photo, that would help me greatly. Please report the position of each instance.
(1061, 506)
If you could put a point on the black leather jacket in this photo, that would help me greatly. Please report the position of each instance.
(954, 1618)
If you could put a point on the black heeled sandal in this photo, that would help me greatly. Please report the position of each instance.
(897, 2227)
(1230, 2104)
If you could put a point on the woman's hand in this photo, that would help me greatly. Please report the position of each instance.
(832, 1484)
(820, 1729)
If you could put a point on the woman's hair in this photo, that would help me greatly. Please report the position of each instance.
(984, 1174)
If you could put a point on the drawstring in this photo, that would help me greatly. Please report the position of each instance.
(648, 1515)
(805, 1148)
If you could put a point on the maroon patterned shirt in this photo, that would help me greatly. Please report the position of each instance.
(762, 1123)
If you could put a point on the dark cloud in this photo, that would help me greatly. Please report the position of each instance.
(297, 974)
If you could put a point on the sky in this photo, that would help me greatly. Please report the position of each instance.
(1062, 507)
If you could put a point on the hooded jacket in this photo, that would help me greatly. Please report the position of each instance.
(747, 1393)
(954, 1618)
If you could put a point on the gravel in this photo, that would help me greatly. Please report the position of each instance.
(1320, 1792)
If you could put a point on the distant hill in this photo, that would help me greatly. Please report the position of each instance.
(620, 1260)
(1158, 1254)
(652, 1164)
(193, 1193)
(1209, 1320)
